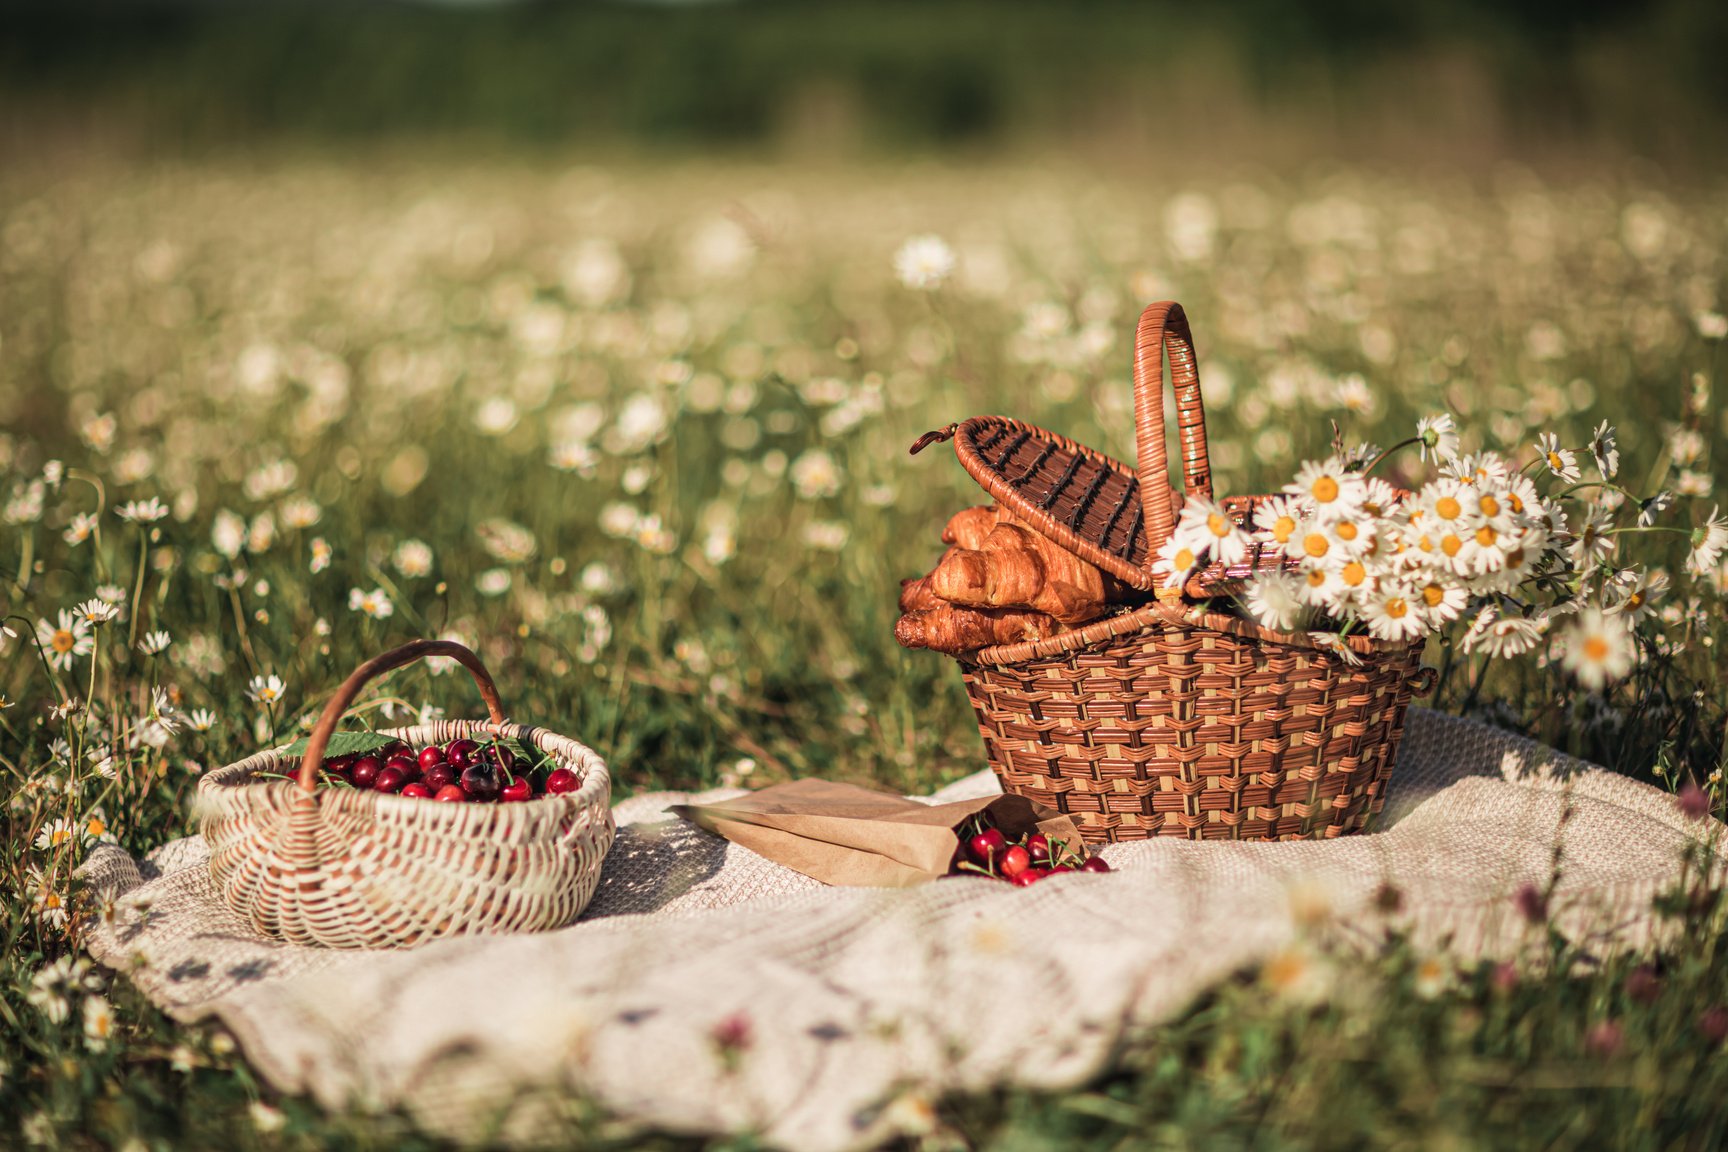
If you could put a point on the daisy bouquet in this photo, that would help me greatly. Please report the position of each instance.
(1518, 557)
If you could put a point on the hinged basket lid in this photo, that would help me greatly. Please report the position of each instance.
(1096, 506)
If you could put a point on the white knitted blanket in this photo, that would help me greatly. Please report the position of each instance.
(708, 990)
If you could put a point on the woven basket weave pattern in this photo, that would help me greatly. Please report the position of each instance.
(372, 869)
(1170, 720)
(1196, 733)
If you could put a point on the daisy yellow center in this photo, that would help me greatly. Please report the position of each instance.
(1354, 573)
(1450, 545)
(1448, 508)
(1433, 595)
(62, 641)
(1489, 506)
(1286, 970)
(1316, 544)
(1596, 650)
(1636, 600)
(1397, 608)
(1486, 536)
(1316, 578)
(1283, 528)
(51, 900)
(1515, 558)
(95, 827)
(1554, 461)
(1325, 489)
(1219, 525)
(1184, 559)
(1347, 531)
(1514, 502)
(59, 836)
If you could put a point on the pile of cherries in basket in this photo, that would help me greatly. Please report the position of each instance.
(987, 852)
(460, 772)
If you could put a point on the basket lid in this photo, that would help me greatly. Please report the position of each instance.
(1099, 508)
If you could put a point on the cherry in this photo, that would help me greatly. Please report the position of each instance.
(1015, 861)
(1028, 877)
(417, 790)
(394, 748)
(1038, 847)
(987, 846)
(502, 760)
(438, 776)
(339, 763)
(480, 781)
(516, 791)
(405, 764)
(365, 771)
(460, 753)
(451, 794)
(1095, 864)
(430, 756)
(389, 780)
(561, 782)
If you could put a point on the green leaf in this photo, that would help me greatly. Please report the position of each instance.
(345, 744)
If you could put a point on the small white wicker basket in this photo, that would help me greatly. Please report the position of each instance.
(344, 868)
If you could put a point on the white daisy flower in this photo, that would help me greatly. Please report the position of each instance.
(1634, 593)
(55, 833)
(201, 719)
(300, 511)
(65, 643)
(1709, 541)
(1274, 602)
(1176, 562)
(94, 827)
(1206, 523)
(98, 1022)
(1277, 519)
(1328, 488)
(1598, 648)
(154, 643)
(376, 603)
(1650, 509)
(412, 558)
(1440, 602)
(97, 612)
(266, 689)
(1438, 436)
(1313, 543)
(1592, 543)
(1333, 643)
(1694, 484)
(83, 526)
(49, 905)
(1562, 462)
(142, 511)
(1391, 613)
(321, 554)
(924, 262)
(619, 519)
(1605, 450)
(1502, 636)
(1319, 586)
(1379, 498)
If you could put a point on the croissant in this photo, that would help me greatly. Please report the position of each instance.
(953, 629)
(1014, 566)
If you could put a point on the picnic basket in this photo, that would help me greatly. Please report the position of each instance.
(1171, 718)
(347, 868)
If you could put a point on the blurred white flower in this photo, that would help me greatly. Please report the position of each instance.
(376, 603)
(1273, 602)
(1694, 484)
(271, 479)
(300, 511)
(265, 1118)
(619, 519)
(80, 529)
(412, 558)
(154, 643)
(142, 511)
(506, 541)
(98, 1022)
(924, 262)
(1711, 325)
(1598, 648)
(97, 611)
(321, 554)
(201, 719)
(228, 534)
(493, 582)
(815, 474)
(1605, 450)
(825, 535)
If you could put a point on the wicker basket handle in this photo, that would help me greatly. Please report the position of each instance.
(1164, 329)
(375, 667)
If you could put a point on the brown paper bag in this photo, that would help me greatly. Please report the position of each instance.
(844, 834)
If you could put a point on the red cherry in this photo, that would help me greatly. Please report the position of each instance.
(1095, 864)
(365, 771)
(516, 791)
(460, 753)
(405, 764)
(389, 780)
(1015, 861)
(987, 846)
(562, 781)
(438, 776)
(1028, 877)
(339, 763)
(451, 794)
(1038, 847)
(417, 790)
(430, 756)
(394, 748)
(480, 781)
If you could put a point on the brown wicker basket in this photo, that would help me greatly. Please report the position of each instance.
(1169, 719)
(345, 868)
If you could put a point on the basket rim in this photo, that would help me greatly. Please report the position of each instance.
(596, 774)
(1181, 615)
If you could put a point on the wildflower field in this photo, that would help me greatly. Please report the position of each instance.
(637, 433)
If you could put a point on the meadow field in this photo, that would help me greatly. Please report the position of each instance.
(636, 431)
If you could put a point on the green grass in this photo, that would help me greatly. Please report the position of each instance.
(418, 343)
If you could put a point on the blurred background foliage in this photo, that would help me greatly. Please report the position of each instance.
(1443, 80)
